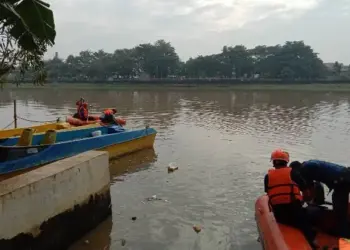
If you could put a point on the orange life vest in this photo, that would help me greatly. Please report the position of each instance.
(83, 113)
(281, 188)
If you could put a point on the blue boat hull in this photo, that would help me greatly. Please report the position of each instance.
(15, 158)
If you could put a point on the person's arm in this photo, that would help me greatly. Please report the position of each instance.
(266, 183)
(300, 181)
(306, 186)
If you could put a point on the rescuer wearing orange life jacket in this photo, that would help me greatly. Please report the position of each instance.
(108, 116)
(83, 112)
(79, 105)
(285, 197)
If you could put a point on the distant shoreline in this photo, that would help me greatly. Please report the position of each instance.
(196, 81)
(292, 86)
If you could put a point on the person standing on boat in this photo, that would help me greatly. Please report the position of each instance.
(108, 116)
(335, 177)
(285, 197)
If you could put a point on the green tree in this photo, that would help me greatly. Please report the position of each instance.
(265, 63)
(204, 66)
(124, 63)
(301, 59)
(158, 60)
(240, 59)
(55, 67)
(27, 27)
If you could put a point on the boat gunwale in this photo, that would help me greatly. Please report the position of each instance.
(72, 128)
(38, 164)
(82, 139)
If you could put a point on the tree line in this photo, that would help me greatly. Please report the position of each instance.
(27, 28)
(292, 61)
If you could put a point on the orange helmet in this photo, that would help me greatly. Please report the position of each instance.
(280, 154)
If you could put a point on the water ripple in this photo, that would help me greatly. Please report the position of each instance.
(221, 141)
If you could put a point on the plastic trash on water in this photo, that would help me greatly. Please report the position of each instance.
(153, 198)
(123, 242)
(197, 229)
(172, 167)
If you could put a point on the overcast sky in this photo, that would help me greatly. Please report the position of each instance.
(202, 26)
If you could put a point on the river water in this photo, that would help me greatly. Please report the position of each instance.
(220, 140)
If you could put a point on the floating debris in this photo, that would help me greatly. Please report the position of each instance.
(153, 198)
(134, 218)
(172, 167)
(123, 242)
(87, 242)
(197, 229)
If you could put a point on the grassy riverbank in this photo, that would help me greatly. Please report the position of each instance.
(160, 86)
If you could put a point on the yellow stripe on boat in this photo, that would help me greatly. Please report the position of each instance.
(129, 147)
(43, 128)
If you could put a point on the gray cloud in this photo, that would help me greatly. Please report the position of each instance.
(201, 26)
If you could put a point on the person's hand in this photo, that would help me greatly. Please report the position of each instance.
(308, 195)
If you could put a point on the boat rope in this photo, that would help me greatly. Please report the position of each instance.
(8, 125)
(28, 120)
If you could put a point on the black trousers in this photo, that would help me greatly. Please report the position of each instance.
(295, 215)
(340, 199)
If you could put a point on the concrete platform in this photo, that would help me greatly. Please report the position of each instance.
(51, 207)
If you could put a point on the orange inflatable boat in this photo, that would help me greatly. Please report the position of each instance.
(92, 119)
(77, 122)
(274, 236)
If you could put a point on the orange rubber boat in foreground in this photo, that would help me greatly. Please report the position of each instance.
(275, 236)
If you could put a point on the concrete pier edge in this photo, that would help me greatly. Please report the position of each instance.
(51, 207)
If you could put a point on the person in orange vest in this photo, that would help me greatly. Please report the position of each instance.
(83, 113)
(108, 116)
(79, 104)
(285, 197)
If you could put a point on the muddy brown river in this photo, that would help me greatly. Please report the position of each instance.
(220, 140)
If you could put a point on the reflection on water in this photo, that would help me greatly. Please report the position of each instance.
(132, 163)
(221, 141)
(100, 235)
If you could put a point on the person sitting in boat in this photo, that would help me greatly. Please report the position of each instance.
(108, 116)
(79, 103)
(285, 197)
(335, 177)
